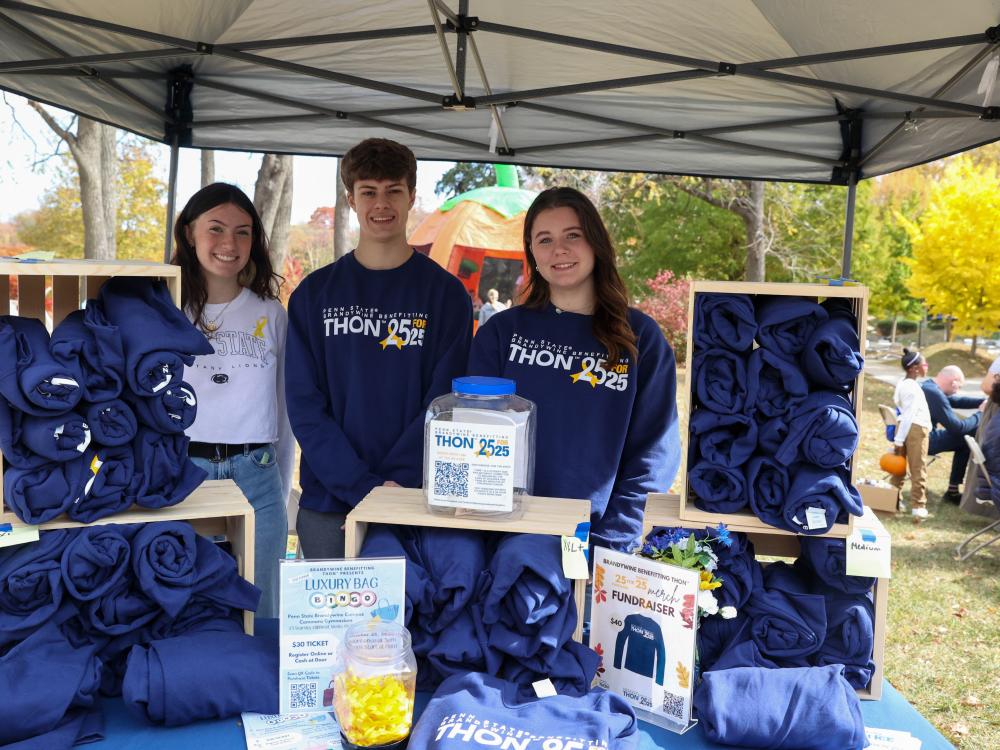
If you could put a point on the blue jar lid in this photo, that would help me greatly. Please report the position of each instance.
(477, 385)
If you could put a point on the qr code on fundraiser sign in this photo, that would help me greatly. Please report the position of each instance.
(673, 705)
(302, 695)
(451, 479)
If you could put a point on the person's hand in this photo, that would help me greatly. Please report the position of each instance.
(982, 404)
(899, 450)
(390, 483)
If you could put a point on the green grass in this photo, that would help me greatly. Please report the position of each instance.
(943, 641)
(974, 366)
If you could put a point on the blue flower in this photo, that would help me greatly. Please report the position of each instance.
(663, 538)
(723, 534)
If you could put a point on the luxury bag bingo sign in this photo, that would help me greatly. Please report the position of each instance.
(320, 600)
(643, 626)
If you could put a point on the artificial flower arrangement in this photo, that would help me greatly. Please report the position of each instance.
(693, 549)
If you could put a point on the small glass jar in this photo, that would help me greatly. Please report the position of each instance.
(479, 449)
(374, 683)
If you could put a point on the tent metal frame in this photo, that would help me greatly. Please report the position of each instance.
(178, 117)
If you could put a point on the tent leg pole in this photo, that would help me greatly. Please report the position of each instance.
(852, 195)
(168, 243)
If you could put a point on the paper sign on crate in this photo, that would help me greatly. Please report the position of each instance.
(320, 600)
(643, 625)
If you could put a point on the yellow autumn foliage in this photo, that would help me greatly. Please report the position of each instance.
(955, 264)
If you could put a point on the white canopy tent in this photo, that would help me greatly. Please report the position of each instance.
(763, 89)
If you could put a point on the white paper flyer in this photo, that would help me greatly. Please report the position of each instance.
(642, 625)
(291, 732)
(320, 600)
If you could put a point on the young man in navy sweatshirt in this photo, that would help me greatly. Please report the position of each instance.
(372, 339)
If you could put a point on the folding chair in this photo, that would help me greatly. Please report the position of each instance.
(976, 454)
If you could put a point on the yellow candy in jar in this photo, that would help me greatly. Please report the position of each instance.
(374, 710)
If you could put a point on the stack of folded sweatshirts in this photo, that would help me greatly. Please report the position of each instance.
(783, 672)
(771, 427)
(74, 604)
(92, 419)
(807, 614)
(478, 602)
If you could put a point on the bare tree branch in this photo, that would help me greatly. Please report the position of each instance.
(53, 123)
(17, 122)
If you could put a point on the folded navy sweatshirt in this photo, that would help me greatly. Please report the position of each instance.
(475, 710)
(367, 352)
(605, 432)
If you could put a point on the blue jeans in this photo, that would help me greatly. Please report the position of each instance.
(256, 474)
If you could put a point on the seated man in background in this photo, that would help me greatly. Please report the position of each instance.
(949, 431)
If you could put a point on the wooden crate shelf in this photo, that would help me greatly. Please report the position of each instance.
(664, 510)
(857, 296)
(71, 283)
(216, 508)
(400, 506)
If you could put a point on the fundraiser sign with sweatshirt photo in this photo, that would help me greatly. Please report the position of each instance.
(643, 626)
(320, 600)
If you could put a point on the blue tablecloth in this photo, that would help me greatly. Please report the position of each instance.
(123, 731)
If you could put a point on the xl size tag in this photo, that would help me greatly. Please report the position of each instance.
(575, 553)
(869, 553)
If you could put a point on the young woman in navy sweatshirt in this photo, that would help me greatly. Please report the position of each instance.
(601, 373)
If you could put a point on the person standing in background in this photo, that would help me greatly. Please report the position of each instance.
(912, 431)
(241, 432)
(492, 307)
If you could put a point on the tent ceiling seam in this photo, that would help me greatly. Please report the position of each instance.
(340, 114)
(87, 72)
(943, 89)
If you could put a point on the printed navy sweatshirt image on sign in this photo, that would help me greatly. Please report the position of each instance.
(645, 612)
(641, 643)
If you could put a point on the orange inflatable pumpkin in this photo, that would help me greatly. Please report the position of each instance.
(895, 465)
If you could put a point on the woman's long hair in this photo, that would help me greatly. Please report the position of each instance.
(610, 320)
(258, 275)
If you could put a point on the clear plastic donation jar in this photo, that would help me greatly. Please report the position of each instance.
(374, 682)
(479, 449)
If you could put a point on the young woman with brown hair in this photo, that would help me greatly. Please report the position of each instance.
(601, 372)
(241, 432)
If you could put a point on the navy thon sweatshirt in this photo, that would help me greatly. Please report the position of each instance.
(641, 642)
(475, 711)
(607, 434)
(367, 352)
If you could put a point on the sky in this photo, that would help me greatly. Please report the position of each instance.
(25, 139)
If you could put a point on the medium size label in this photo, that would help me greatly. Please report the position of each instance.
(471, 466)
(869, 553)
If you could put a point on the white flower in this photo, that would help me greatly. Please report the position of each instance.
(728, 613)
(708, 602)
(711, 565)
